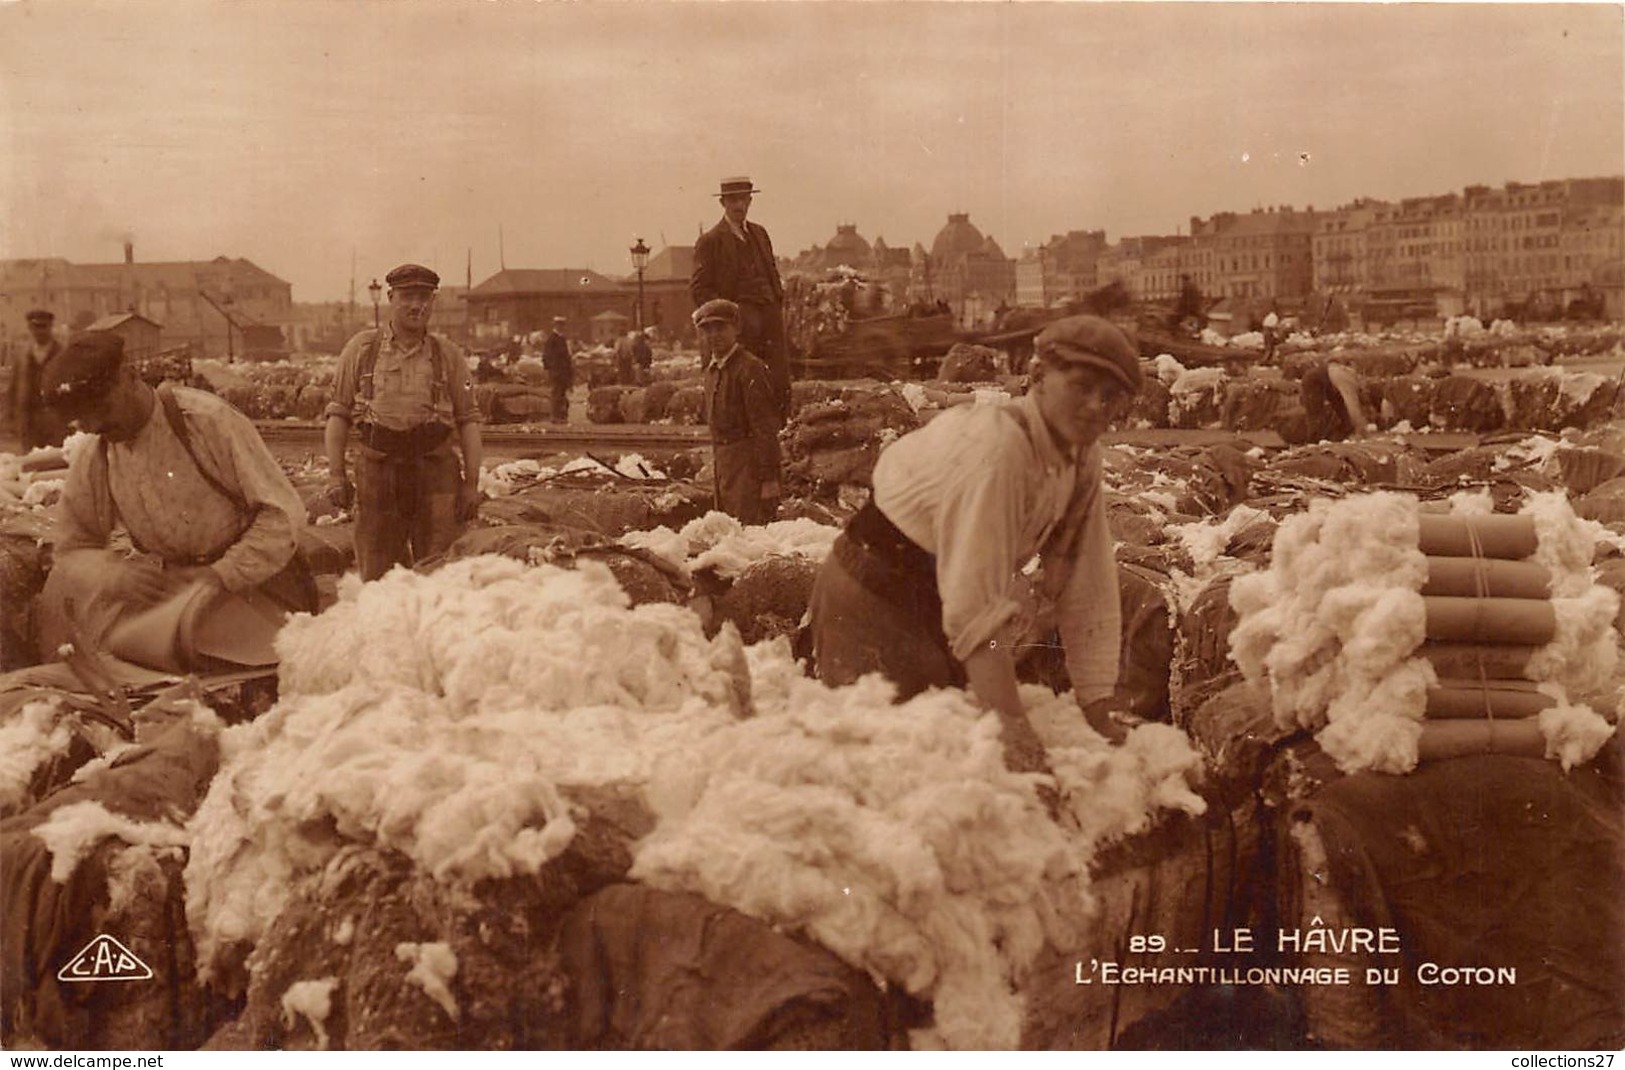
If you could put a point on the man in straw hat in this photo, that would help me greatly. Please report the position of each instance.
(734, 261)
(986, 528)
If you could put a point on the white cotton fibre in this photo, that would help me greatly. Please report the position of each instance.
(35, 734)
(891, 834)
(1574, 733)
(525, 681)
(72, 832)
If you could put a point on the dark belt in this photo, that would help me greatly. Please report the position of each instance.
(895, 568)
(401, 444)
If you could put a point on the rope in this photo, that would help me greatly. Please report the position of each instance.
(1481, 582)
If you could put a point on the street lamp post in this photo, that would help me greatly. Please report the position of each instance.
(375, 290)
(231, 353)
(640, 260)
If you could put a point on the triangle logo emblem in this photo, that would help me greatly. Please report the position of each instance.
(105, 959)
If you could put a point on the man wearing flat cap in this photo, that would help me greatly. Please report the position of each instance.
(36, 423)
(734, 260)
(188, 478)
(408, 395)
(743, 417)
(933, 582)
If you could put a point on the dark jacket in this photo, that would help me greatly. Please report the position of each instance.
(37, 424)
(716, 263)
(745, 422)
(556, 359)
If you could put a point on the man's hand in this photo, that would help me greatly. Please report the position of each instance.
(468, 501)
(341, 492)
(197, 574)
(137, 583)
(1099, 715)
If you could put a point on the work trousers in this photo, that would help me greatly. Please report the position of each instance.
(875, 607)
(761, 330)
(738, 485)
(558, 410)
(406, 509)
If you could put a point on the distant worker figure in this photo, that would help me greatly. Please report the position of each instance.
(626, 358)
(410, 398)
(1188, 307)
(734, 260)
(742, 415)
(208, 511)
(1331, 400)
(643, 356)
(35, 422)
(561, 374)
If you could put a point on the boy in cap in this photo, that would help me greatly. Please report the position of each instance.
(743, 417)
(37, 424)
(561, 374)
(734, 260)
(409, 396)
(188, 478)
(986, 527)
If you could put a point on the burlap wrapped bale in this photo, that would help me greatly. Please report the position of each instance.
(604, 404)
(311, 402)
(1604, 503)
(1201, 666)
(837, 442)
(656, 397)
(686, 406)
(508, 989)
(1461, 403)
(1408, 399)
(1150, 405)
(1196, 401)
(634, 408)
(22, 575)
(610, 508)
(1257, 403)
(46, 922)
(969, 363)
(769, 597)
(513, 404)
(1551, 401)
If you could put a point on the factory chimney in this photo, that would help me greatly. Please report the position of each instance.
(129, 251)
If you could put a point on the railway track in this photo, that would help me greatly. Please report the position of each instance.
(644, 438)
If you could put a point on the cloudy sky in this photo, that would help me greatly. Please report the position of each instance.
(298, 133)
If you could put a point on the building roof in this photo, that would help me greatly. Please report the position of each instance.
(118, 319)
(958, 238)
(511, 281)
(672, 262)
(848, 247)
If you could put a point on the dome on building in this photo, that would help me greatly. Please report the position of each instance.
(848, 247)
(991, 248)
(958, 238)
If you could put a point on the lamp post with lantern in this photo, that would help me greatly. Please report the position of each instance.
(375, 290)
(640, 260)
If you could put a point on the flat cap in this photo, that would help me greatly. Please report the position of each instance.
(40, 315)
(412, 276)
(86, 370)
(1092, 341)
(718, 308)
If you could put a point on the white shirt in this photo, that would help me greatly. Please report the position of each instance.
(982, 491)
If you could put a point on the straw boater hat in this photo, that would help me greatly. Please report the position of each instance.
(740, 184)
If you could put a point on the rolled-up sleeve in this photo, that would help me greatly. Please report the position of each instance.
(1088, 612)
(345, 379)
(463, 409)
(978, 537)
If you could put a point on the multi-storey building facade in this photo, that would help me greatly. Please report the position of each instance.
(1265, 255)
(192, 300)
